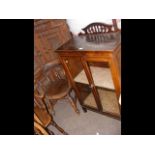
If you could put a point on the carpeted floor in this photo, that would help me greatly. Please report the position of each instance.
(89, 123)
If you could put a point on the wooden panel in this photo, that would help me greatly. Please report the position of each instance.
(74, 64)
(38, 55)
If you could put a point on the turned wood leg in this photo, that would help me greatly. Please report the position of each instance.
(59, 128)
(73, 104)
(49, 131)
(115, 76)
(84, 109)
(75, 97)
(50, 108)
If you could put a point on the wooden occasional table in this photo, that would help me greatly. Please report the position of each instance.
(93, 66)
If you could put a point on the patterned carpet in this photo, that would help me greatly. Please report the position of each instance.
(89, 123)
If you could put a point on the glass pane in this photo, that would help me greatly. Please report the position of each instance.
(104, 84)
(78, 74)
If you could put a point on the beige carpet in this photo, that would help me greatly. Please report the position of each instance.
(89, 123)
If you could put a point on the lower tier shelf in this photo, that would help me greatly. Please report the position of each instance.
(108, 100)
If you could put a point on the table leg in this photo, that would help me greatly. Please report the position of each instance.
(115, 76)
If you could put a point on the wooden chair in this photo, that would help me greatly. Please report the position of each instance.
(38, 127)
(94, 32)
(55, 85)
(98, 28)
(42, 118)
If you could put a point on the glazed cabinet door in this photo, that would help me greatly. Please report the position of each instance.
(100, 77)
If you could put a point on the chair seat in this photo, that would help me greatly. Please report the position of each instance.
(58, 89)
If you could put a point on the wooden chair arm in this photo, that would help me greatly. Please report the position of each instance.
(40, 129)
(40, 96)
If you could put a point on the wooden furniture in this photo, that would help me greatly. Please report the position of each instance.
(93, 68)
(55, 85)
(99, 28)
(38, 127)
(42, 115)
(49, 34)
(39, 130)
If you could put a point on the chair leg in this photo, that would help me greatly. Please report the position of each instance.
(59, 128)
(73, 104)
(50, 132)
(75, 99)
(84, 109)
(50, 108)
(55, 125)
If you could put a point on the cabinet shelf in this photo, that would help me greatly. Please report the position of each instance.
(101, 76)
(108, 100)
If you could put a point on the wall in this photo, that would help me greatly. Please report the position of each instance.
(76, 25)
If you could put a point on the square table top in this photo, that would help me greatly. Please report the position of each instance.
(98, 42)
